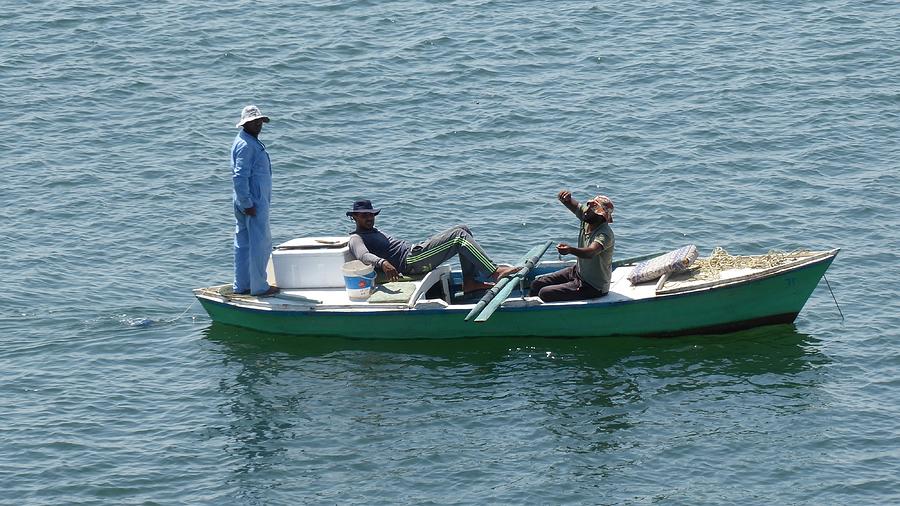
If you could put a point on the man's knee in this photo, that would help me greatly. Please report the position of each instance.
(548, 294)
(461, 231)
(537, 285)
(559, 292)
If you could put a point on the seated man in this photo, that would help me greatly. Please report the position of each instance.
(589, 277)
(396, 256)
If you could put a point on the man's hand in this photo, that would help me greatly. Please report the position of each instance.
(563, 248)
(390, 271)
(250, 211)
(587, 252)
(565, 197)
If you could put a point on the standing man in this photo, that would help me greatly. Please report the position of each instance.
(589, 277)
(252, 178)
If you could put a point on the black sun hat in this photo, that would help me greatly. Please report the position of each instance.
(363, 206)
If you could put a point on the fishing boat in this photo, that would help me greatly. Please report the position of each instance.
(714, 294)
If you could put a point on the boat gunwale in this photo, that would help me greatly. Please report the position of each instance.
(814, 258)
(382, 309)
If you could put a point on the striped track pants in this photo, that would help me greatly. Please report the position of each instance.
(441, 247)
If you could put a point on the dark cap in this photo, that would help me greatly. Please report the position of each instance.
(363, 206)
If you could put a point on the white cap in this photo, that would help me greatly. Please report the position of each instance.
(250, 113)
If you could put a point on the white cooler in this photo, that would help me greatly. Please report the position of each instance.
(311, 262)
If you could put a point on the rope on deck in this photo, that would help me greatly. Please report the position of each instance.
(719, 260)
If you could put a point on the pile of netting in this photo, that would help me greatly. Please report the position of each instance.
(719, 260)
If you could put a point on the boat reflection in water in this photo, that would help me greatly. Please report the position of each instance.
(354, 410)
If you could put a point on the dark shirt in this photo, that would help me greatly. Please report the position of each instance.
(373, 247)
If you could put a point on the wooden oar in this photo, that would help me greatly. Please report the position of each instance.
(499, 292)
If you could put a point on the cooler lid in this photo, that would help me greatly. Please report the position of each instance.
(315, 243)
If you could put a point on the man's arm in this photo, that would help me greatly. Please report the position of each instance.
(589, 251)
(359, 251)
(240, 177)
(565, 196)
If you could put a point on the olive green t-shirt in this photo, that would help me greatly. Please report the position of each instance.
(596, 271)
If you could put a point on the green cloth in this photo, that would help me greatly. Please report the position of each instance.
(597, 271)
(395, 292)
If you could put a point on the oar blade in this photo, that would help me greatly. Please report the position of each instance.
(505, 286)
(491, 307)
(487, 298)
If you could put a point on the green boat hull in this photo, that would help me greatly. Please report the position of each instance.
(773, 299)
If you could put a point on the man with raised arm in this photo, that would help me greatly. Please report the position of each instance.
(589, 277)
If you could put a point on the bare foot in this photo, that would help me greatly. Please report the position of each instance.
(504, 270)
(473, 286)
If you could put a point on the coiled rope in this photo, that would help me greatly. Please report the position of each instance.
(719, 260)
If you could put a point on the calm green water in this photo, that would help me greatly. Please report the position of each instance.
(747, 125)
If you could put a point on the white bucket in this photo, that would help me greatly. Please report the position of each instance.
(359, 279)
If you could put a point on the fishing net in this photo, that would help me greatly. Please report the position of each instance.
(709, 268)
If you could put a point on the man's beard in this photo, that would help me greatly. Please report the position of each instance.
(594, 220)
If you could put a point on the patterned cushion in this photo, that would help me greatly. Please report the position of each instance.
(673, 261)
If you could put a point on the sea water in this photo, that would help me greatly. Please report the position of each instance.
(753, 126)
